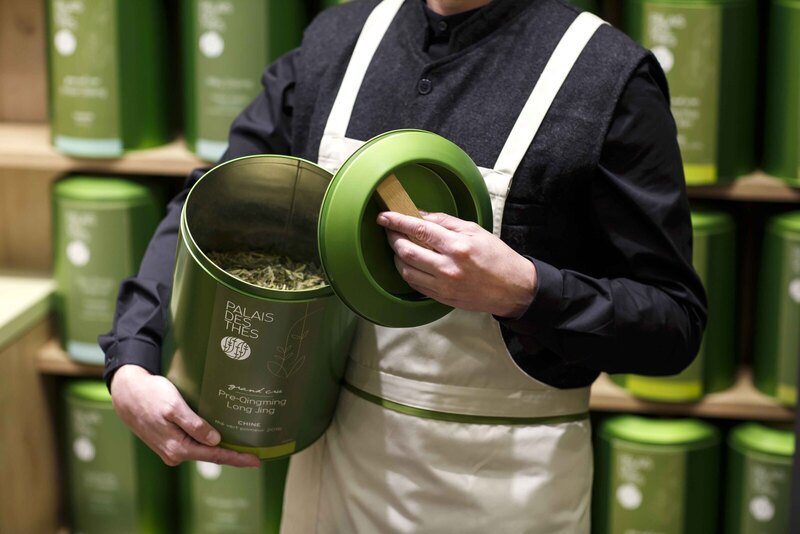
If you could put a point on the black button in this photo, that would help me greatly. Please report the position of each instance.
(424, 86)
(442, 26)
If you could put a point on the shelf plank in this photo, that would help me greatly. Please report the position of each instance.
(52, 360)
(27, 146)
(754, 187)
(740, 401)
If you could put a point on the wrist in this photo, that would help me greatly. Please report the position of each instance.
(127, 372)
(525, 290)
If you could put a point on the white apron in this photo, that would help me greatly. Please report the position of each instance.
(438, 429)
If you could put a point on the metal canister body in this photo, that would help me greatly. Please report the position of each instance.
(263, 366)
(777, 336)
(708, 50)
(219, 499)
(759, 479)
(782, 106)
(655, 476)
(227, 45)
(101, 228)
(109, 67)
(115, 483)
(714, 368)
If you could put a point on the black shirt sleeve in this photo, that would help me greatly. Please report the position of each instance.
(264, 127)
(646, 313)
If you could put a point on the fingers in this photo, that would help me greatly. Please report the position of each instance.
(421, 258)
(448, 221)
(180, 447)
(426, 232)
(179, 413)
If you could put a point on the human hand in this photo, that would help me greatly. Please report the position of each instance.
(154, 410)
(464, 266)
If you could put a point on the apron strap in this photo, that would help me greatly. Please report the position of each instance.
(544, 92)
(371, 36)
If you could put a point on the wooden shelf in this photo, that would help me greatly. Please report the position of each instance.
(755, 187)
(52, 360)
(741, 401)
(27, 146)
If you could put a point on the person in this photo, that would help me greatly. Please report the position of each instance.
(479, 421)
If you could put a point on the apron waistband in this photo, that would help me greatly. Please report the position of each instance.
(462, 418)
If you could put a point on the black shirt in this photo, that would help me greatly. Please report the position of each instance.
(639, 145)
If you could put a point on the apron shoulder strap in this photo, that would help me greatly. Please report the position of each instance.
(544, 92)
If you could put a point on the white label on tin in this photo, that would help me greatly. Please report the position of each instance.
(84, 449)
(78, 253)
(212, 44)
(665, 57)
(235, 348)
(65, 42)
(629, 496)
(762, 509)
(208, 470)
(794, 290)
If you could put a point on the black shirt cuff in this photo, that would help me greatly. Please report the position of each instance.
(131, 351)
(543, 310)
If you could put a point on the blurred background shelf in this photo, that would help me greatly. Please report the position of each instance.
(741, 401)
(27, 146)
(758, 187)
(52, 360)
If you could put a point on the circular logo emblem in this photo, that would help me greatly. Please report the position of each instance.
(65, 42)
(78, 253)
(794, 290)
(208, 470)
(212, 44)
(664, 57)
(84, 449)
(235, 348)
(629, 496)
(762, 509)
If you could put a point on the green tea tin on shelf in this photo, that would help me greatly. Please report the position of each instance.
(714, 368)
(759, 479)
(115, 483)
(777, 336)
(655, 475)
(263, 363)
(227, 45)
(109, 67)
(218, 499)
(101, 228)
(782, 106)
(708, 50)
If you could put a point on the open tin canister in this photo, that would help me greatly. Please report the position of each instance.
(264, 366)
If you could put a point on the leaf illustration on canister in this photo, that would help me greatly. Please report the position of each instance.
(288, 361)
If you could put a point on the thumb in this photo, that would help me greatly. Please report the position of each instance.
(447, 221)
(193, 424)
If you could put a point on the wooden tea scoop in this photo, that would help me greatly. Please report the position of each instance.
(394, 197)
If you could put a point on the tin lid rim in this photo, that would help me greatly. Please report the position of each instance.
(763, 439)
(685, 432)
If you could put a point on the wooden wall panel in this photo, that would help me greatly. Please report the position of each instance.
(23, 78)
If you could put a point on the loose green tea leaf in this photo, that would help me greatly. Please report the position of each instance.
(271, 271)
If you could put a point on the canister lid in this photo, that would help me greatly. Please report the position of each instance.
(91, 390)
(711, 222)
(354, 250)
(786, 222)
(764, 439)
(101, 188)
(668, 432)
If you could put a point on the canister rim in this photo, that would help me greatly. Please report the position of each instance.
(666, 432)
(706, 221)
(787, 222)
(91, 390)
(94, 188)
(760, 438)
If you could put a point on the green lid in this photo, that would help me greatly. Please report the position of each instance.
(91, 390)
(354, 250)
(711, 222)
(668, 432)
(691, 3)
(756, 437)
(786, 222)
(101, 188)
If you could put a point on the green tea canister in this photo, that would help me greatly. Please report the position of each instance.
(115, 483)
(108, 67)
(655, 475)
(777, 336)
(708, 50)
(759, 479)
(782, 107)
(219, 499)
(101, 228)
(263, 364)
(227, 45)
(714, 368)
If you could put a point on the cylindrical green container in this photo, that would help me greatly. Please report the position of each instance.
(263, 365)
(109, 68)
(219, 499)
(782, 107)
(714, 368)
(655, 475)
(708, 50)
(777, 336)
(759, 479)
(101, 228)
(227, 45)
(115, 483)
